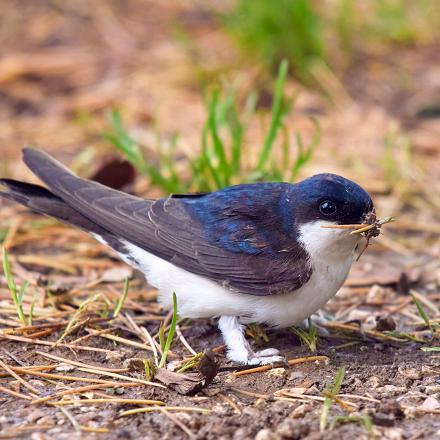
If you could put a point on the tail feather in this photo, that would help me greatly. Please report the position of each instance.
(43, 201)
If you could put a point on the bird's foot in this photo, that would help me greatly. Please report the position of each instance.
(264, 357)
(318, 321)
(248, 357)
(239, 349)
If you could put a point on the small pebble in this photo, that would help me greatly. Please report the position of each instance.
(394, 434)
(410, 373)
(296, 375)
(373, 382)
(267, 434)
(276, 372)
(300, 411)
(430, 403)
(251, 412)
(391, 390)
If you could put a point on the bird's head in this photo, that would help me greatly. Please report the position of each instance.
(332, 198)
(325, 200)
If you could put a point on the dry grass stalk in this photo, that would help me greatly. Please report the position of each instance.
(144, 335)
(184, 341)
(249, 393)
(123, 341)
(53, 376)
(84, 389)
(362, 333)
(20, 379)
(167, 408)
(80, 364)
(31, 368)
(112, 400)
(290, 362)
(14, 393)
(120, 376)
(230, 402)
(53, 344)
(178, 423)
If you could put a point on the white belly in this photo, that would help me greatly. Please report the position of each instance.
(331, 255)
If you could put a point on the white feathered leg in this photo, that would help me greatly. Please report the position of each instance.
(239, 349)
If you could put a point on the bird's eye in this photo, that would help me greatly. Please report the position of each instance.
(327, 207)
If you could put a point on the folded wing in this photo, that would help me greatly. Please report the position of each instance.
(231, 247)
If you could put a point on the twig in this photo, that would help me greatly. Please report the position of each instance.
(14, 393)
(52, 344)
(249, 393)
(230, 402)
(269, 367)
(61, 376)
(145, 335)
(177, 422)
(184, 341)
(112, 400)
(81, 364)
(20, 379)
(72, 420)
(167, 408)
(121, 340)
(120, 376)
(85, 389)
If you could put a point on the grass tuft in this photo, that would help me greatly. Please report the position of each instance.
(330, 394)
(191, 363)
(432, 326)
(308, 337)
(75, 318)
(224, 157)
(17, 296)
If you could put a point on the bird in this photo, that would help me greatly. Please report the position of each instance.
(260, 252)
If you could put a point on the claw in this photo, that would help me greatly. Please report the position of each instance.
(264, 360)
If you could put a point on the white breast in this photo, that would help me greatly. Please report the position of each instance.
(331, 254)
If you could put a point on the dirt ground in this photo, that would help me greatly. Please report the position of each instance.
(61, 71)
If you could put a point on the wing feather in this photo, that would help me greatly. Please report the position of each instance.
(171, 229)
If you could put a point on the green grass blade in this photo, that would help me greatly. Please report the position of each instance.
(422, 313)
(218, 146)
(278, 112)
(236, 131)
(162, 338)
(170, 336)
(121, 299)
(205, 159)
(191, 363)
(307, 337)
(17, 298)
(329, 394)
(305, 153)
(339, 378)
(22, 291)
